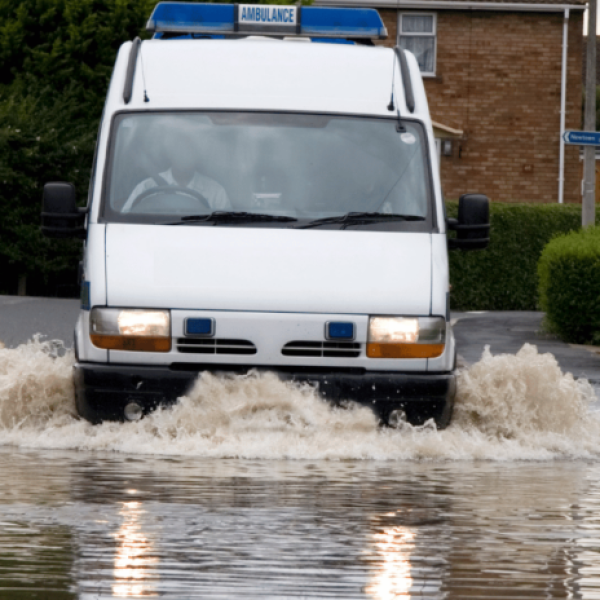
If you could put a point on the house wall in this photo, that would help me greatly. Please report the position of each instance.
(498, 79)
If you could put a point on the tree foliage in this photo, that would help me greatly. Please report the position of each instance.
(66, 46)
(36, 147)
(56, 58)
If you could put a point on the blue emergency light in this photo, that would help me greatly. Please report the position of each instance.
(231, 19)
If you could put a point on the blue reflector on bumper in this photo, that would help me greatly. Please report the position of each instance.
(340, 331)
(199, 326)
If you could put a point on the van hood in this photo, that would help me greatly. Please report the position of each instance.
(263, 269)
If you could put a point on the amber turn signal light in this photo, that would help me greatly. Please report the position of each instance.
(404, 350)
(131, 343)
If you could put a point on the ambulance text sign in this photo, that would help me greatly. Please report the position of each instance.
(255, 14)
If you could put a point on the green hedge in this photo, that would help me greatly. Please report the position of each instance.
(504, 276)
(56, 58)
(569, 285)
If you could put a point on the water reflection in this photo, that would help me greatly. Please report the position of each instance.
(392, 579)
(134, 557)
(260, 530)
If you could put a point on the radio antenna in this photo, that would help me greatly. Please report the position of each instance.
(391, 106)
(146, 99)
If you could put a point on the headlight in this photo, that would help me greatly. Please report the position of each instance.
(131, 329)
(406, 337)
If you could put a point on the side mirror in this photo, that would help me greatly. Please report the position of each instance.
(473, 224)
(60, 216)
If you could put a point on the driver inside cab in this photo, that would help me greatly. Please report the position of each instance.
(181, 176)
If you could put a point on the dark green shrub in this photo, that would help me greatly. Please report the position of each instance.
(35, 147)
(56, 58)
(504, 276)
(569, 285)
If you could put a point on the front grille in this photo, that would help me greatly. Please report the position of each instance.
(322, 349)
(211, 346)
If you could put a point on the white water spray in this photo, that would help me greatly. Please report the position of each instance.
(508, 407)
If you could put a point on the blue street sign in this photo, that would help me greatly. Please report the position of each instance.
(582, 138)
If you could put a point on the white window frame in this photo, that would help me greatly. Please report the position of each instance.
(433, 34)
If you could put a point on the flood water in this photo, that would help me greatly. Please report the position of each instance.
(85, 526)
(252, 488)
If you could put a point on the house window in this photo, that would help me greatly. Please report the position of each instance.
(417, 35)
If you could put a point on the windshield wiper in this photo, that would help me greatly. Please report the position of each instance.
(225, 215)
(354, 218)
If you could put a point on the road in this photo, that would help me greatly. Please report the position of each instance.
(506, 332)
(22, 317)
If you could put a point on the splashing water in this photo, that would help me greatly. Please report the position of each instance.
(508, 407)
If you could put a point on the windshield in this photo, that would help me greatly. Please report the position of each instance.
(168, 166)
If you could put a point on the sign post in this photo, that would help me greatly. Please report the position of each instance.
(589, 153)
(590, 140)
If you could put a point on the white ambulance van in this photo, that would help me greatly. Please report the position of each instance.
(265, 196)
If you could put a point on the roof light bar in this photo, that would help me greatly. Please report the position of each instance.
(189, 17)
(343, 22)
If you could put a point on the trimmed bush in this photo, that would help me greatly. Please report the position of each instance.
(569, 285)
(504, 276)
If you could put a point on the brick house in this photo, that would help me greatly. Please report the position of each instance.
(493, 73)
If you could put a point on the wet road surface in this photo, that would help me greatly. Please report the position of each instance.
(507, 331)
(76, 525)
(21, 317)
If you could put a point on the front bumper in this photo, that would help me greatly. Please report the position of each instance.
(103, 391)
